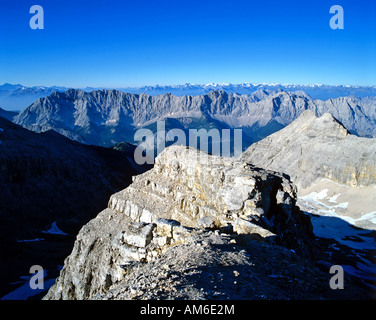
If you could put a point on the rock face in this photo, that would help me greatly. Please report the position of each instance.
(107, 117)
(313, 148)
(186, 192)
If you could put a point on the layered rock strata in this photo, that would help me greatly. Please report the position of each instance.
(186, 191)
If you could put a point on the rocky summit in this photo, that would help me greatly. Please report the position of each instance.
(198, 226)
(312, 148)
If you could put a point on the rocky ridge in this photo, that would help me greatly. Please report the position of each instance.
(18, 97)
(212, 265)
(312, 148)
(186, 192)
(188, 224)
(106, 117)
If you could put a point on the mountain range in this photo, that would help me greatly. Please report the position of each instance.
(18, 97)
(50, 181)
(107, 117)
(317, 91)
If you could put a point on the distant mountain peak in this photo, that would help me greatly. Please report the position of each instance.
(324, 125)
(313, 148)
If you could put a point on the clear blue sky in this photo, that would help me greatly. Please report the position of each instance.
(146, 42)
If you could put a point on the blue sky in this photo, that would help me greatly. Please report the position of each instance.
(144, 42)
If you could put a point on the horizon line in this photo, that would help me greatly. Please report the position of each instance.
(197, 84)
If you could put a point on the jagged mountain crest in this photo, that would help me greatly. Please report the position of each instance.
(94, 117)
(18, 97)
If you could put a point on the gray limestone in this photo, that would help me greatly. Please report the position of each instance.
(171, 205)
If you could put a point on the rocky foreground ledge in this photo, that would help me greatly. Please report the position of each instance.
(198, 227)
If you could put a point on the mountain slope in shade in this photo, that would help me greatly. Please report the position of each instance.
(47, 179)
(9, 115)
(108, 117)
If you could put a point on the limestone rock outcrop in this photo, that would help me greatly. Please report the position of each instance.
(186, 193)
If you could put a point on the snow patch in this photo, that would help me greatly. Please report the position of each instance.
(342, 205)
(55, 230)
(334, 198)
(314, 196)
(370, 216)
(31, 240)
(332, 223)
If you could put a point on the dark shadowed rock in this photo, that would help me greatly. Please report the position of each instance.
(47, 178)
